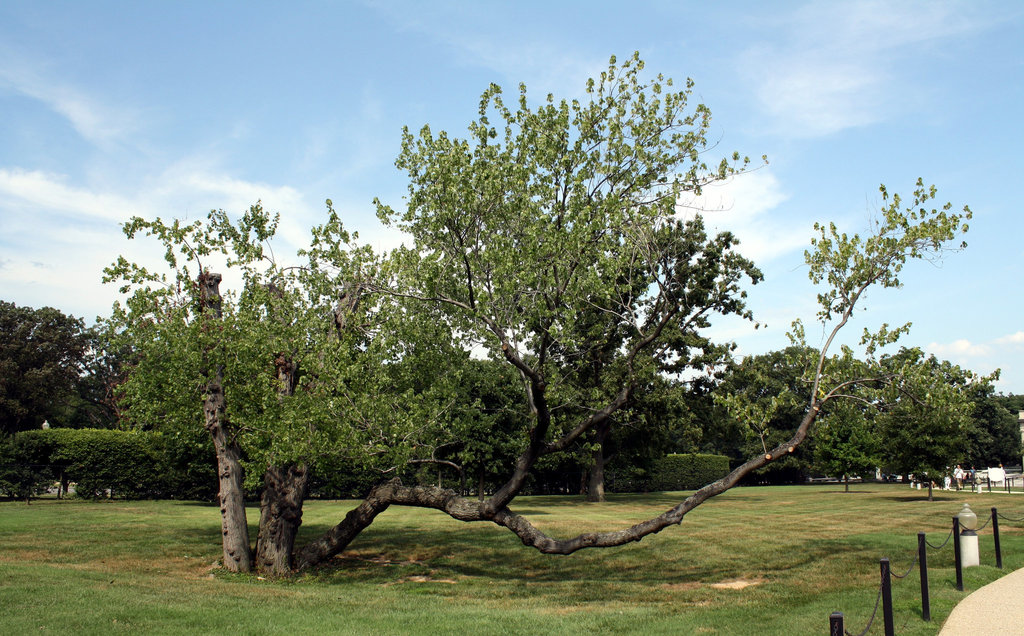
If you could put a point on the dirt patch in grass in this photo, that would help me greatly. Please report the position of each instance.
(681, 587)
(736, 584)
(420, 578)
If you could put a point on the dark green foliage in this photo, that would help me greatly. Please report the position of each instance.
(21, 477)
(42, 353)
(687, 472)
(993, 437)
(776, 378)
(187, 465)
(128, 464)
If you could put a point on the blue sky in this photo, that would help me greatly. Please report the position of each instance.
(114, 109)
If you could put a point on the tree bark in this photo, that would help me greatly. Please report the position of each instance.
(284, 490)
(337, 538)
(234, 527)
(230, 475)
(595, 484)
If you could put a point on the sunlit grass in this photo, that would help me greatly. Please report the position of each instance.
(803, 552)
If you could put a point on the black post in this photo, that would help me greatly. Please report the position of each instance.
(995, 534)
(922, 559)
(989, 484)
(890, 629)
(835, 624)
(956, 553)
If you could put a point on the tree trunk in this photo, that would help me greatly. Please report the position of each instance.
(846, 480)
(234, 528)
(480, 485)
(930, 489)
(337, 538)
(231, 495)
(595, 484)
(284, 490)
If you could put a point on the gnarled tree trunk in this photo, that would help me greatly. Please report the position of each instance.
(284, 490)
(230, 475)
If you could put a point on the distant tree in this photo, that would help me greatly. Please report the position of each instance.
(927, 435)
(771, 383)
(846, 442)
(993, 435)
(43, 355)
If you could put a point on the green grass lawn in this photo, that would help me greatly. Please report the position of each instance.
(149, 567)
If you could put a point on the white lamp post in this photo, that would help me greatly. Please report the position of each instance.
(968, 537)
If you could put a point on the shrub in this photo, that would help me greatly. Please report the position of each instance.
(687, 472)
(24, 468)
(128, 464)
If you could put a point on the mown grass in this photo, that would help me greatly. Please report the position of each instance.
(149, 567)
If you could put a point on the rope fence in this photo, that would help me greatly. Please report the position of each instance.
(884, 598)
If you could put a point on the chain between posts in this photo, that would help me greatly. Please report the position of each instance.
(883, 589)
(939, 547)
(909, 570)
(878, 600)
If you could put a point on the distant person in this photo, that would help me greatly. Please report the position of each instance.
(958, 475)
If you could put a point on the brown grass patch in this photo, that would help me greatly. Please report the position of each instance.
(736, 584)
(681, 587)
(419, 578)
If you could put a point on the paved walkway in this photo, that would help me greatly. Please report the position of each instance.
(994, 610)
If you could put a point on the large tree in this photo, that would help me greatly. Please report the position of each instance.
(521, 233)
(43, 357)
(993, 435)
(926, 437)
(568, 209)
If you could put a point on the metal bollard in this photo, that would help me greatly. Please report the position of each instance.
(835, 624)
(956, 555)
(922, 559)
(890, 629)
(995, 535)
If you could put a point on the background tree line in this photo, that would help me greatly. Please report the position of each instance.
(59, 371)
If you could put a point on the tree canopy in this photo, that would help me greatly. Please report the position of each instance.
(548, 240)
(44, 357)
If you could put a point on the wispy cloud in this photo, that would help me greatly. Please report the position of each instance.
(63, 265)
(834, 66)
(95, 120)
(484, 36)
(50, 192)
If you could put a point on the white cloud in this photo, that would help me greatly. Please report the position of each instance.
(962, 348)
(744, 205)
(62, 264)
(1014, 338)
(38, 189)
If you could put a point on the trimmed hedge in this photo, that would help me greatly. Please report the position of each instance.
(687, 472)
(127, 464)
